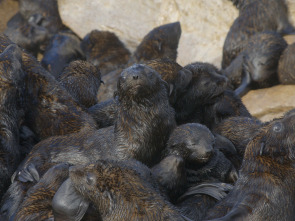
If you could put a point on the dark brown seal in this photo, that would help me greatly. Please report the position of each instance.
(254, 16)
(260, 61)
(286, 66)
(267, 174)
(193, 142)
(204, 162)
(161, 42)
(143, 97)
(133, 197)
(105, 50)
(82, 80)
(205, 88)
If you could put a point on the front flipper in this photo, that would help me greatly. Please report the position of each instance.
(215, 190)
(27, 174)
(245, 83)
(68, 204)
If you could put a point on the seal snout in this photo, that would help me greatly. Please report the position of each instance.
(134, 76)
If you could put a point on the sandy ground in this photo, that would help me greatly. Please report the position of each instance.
(8, 8)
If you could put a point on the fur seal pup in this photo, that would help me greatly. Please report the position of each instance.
(265, 188)
(254, 16)
(82, 80)
(105, 50)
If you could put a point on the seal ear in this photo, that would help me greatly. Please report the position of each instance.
(169, 87)
(158, 45)
(184, 77)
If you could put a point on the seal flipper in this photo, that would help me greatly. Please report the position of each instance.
(29, 173)
(68, 204)
(215, 190)
(245, 83)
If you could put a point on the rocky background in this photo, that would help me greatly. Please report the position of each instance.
(204, 27)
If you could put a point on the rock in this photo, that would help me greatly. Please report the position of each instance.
(7, 9)
(290, 39)
(204, 23)
(269, 103)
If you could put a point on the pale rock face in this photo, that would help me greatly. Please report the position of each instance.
(204, 26)
(270, 103)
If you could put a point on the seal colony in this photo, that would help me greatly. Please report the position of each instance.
(95, 132)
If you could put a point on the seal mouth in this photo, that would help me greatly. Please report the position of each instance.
(203, 159)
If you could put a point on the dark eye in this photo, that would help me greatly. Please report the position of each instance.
(150, 74)
(277, 127)
(90, 179)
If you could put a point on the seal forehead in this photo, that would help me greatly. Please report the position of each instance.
(138, 69)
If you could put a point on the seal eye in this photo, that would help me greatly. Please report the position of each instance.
(277, 127)
(90, 179)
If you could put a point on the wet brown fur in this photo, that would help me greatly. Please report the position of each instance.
(286, 66)
(265, 188)
(82, 80)
(239, 130)
(174, 74)
(161, 42)
(105, 50)
(51, 109)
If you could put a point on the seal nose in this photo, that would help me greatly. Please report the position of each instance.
(135, 76)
